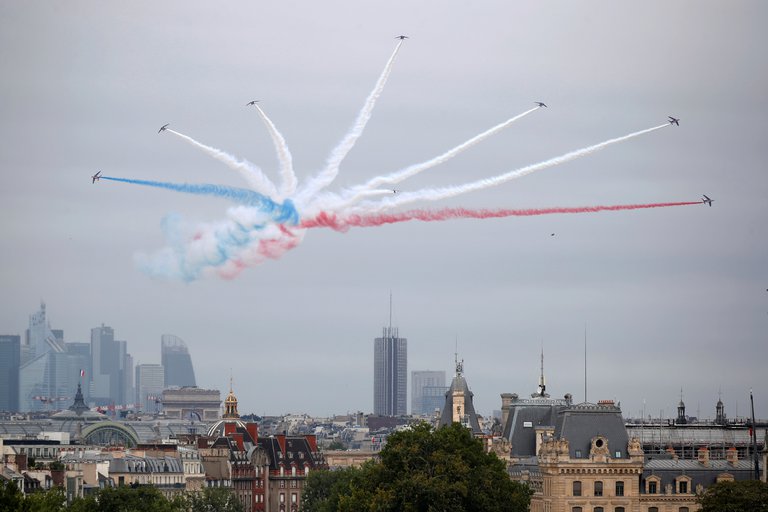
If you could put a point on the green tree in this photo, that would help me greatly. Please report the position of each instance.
(10, 496)
(741, 496)
(336, 445)
(213, 499)
(124, 499)
(421, 470)
(52, 500)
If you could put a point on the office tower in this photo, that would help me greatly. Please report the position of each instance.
(427, 391)
(78, 360)
(174, 356)
(390, 374)
(150, 380)
(42, 375)
(10, 357)
(103, 364)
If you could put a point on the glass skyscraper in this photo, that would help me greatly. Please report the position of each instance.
(175, 358)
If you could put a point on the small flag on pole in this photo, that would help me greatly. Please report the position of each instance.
(82, 373)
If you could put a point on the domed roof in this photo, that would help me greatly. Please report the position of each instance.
(230, 404)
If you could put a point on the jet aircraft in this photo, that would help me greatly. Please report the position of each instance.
(163, 128)
(252, 102)
(706, 200)
(401, 37)
(539, 103)
(395, 191)
(96, 177)
(674, 120)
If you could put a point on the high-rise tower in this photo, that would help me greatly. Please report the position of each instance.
(427, 391)
(390, 372)
(174, 356)
(10, 356)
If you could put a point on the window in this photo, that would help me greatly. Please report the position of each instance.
(577, 488)
(578, 454)
(619, 488)
(598, 489)
(652, 488)
(683, 509)
(683, 487)
(618, 509)
(576, 509)
(653, 509)
(598, 509)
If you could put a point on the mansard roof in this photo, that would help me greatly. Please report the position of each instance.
(668, 470)
(290, 450)
(580, 424)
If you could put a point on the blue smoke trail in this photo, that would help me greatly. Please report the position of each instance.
(282, 213)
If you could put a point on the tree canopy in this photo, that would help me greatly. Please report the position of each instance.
(741, 496)
(421, 469)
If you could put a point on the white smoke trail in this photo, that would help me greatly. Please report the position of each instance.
(446, 192)
(331, 170)
(412, 170)
(250, 172)
(289, 181)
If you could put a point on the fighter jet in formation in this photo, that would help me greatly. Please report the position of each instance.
(252, 102)
(674, 120)
(539, 103)
(163, 128)
(401, 37)
(706, 200)
(96, 177)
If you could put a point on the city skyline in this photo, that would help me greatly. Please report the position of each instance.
(670, 298)
(702, 411)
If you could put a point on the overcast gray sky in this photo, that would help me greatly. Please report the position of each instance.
(671, 298)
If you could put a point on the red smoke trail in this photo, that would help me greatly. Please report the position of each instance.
(344, 222)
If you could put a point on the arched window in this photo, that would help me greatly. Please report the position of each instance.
(576, 509)
(598, 509)
(598, 490)
(653, 509)
(618, 509)
(577, 488)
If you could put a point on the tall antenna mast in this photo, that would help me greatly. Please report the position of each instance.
(390, 310)
(585, 363)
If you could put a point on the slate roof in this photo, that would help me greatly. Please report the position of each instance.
(521, 425)
(705, 475)
(579, 424)
(459, 383)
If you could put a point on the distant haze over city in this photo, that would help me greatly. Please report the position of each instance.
(672, 302)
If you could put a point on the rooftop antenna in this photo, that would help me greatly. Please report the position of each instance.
(542, 384)
(753, 430)
(390, 310)
(585, 363)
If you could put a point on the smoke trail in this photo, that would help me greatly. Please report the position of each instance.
(250, 172)
(280, 212)
(246, 238)
(446, 192)
(289, 181)
(331, 170)
(343, 223)
(412, 170)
